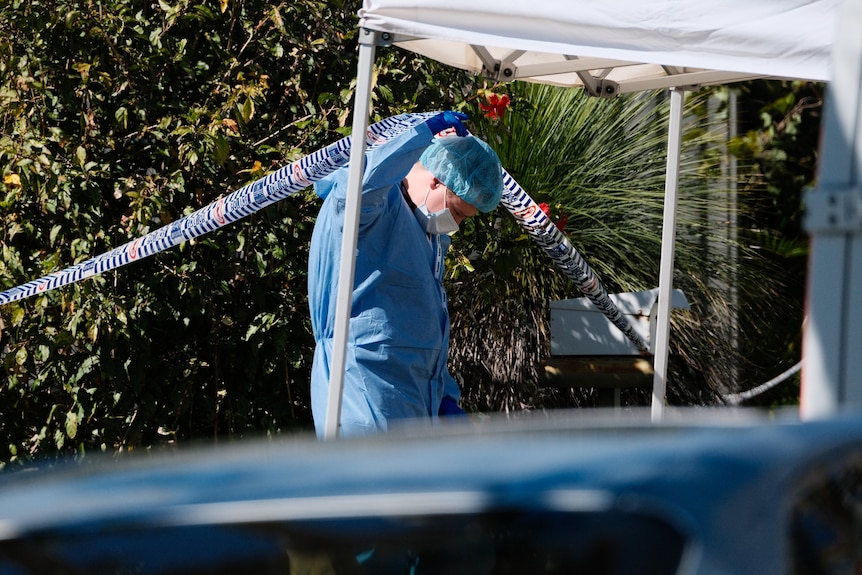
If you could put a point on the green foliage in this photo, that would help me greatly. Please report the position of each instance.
(601, 164)
(780, 128)
(779, 131)
(119, 117)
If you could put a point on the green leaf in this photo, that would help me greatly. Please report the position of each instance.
(13, 229)
(71, 424)
(85, 367)
(17, 315)
(81, 155)
(247, 111)
(221, 149)
(386, 93)
(21, 355)
(121, 115)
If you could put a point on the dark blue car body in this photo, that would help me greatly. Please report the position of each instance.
(705, 493)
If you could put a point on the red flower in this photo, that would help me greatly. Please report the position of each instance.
(496, 106)
(561, 225)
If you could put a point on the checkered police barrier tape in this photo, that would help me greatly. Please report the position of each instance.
(565, 256)
(300, 174)
(271, 188)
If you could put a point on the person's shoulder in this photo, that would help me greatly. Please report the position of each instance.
(336, 182)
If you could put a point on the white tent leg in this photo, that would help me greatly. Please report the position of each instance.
(344, 297)
(832, 338)
(668, 244)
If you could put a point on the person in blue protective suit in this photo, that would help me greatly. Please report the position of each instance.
(416, 190)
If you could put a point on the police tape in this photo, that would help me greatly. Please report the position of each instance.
(545, 233)
(297, 176)
(276, 186)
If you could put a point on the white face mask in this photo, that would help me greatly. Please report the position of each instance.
(441, 222)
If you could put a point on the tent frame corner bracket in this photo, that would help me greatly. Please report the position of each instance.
(599, 87)
(833, 209)
(371, 37)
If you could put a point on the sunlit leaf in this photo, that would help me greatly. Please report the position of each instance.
(71, 424)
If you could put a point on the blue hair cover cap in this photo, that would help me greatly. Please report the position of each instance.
(467, 166)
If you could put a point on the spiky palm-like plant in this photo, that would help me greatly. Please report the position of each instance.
(601, 165)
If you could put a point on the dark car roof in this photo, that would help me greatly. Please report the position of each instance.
(725, 480)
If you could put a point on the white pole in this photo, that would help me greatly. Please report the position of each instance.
(832, 338)
(344, 297)
(668, 244)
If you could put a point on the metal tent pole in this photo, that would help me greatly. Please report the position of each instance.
(832, 338)
(668, 245)
(347, 269)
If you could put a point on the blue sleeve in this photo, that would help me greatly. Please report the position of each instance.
(385, 166)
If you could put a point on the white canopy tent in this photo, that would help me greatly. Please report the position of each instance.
(606, 49)
(636, 44)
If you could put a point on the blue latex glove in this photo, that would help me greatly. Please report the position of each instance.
(449, 407)
(446, 120)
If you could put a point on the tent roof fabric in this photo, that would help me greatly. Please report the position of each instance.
(619, 47)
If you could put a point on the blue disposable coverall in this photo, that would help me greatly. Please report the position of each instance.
(398, 340)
